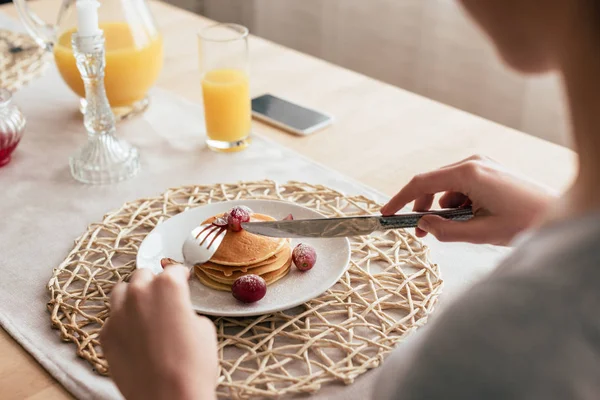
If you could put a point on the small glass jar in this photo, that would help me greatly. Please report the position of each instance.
(12, 125)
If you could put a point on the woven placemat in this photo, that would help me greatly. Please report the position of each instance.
(388, 291)
(21, 59)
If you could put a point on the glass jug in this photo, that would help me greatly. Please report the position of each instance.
(134, 50)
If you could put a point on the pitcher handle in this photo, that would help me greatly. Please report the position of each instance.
(42, 32)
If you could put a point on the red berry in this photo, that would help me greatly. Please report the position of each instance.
(290, 217)
(236, 216)
(165, 262)
(247, 209)
(304, 257)
(249, 288)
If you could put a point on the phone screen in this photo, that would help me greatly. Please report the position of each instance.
(289, 114)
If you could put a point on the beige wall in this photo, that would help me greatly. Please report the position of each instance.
(425, 46)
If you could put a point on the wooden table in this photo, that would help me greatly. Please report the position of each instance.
(382, 136)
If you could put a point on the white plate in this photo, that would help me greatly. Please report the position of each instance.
(333, 256)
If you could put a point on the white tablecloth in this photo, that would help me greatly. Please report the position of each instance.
(43, 210)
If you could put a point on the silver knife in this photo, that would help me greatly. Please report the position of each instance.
(348, 226)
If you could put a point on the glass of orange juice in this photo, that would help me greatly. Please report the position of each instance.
(223, 52)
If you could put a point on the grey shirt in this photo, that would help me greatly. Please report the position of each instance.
(530, 330)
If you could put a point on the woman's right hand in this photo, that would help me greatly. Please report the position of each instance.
(503, 203)
(156, 345)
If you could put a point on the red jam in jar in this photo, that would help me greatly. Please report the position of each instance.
(12, 125)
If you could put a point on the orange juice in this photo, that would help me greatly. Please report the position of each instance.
(226, 95)
(131, 68)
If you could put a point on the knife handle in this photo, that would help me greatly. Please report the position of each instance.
(411, 220)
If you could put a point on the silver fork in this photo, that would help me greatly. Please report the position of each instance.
(200, 245)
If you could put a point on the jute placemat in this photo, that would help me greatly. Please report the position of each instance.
(389, 290)
(21, 59)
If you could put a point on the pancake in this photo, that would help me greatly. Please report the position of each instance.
(269, 277)
(206, 281)
(283, 262)
(270, 264)
(244, 248)
(272, 277)
(229, 269)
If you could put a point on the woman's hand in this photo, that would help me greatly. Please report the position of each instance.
(156, 345)
(503, 203)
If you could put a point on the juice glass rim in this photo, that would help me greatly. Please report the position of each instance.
(241, 31)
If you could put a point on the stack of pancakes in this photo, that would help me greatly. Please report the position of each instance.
(242, 253)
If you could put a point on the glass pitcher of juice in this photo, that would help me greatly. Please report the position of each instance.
(134, 50)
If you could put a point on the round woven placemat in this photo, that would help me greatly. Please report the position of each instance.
(388, 291)
(21, 59)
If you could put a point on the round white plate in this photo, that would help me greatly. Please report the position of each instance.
(333, 256)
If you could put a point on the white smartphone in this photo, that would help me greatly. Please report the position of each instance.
(289, 116)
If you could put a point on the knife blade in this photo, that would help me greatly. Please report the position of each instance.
(348, 226)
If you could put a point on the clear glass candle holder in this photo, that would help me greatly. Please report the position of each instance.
(104, 159)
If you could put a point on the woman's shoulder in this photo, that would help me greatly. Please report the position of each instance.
(522, 332)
